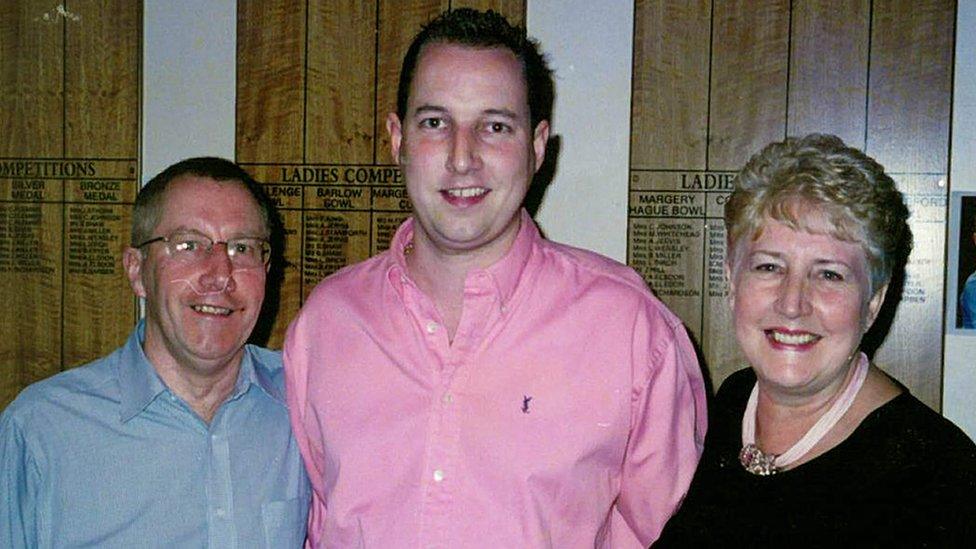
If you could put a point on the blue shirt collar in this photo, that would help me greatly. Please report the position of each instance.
(139, 384)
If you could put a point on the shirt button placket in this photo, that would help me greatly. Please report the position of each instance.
(222, 532)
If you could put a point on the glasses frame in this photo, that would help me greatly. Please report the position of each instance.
(265, 244)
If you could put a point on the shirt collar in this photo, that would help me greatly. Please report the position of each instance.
(504, 273)
(139, 384)
(507, 271)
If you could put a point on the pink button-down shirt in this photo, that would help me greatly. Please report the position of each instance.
(569, 410)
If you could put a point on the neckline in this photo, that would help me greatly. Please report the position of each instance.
(760, 463)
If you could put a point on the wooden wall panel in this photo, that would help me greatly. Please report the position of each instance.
(829, 68)
(31, 71)
(69, 75)
(271, 80)
(669, 108)
(910, 83)
(341, 82)
(102, 80)
(876, 73)
(750, 54)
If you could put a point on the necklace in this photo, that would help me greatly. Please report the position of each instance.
(760, 463)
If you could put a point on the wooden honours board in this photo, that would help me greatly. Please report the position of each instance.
(315, 81)
(716, 80)
(69, 105)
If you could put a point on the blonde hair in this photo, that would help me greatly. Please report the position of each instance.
(819, 172)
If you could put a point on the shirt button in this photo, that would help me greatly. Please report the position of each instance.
(438, 475)
(220, 512)
(431, 327)
(447, 398)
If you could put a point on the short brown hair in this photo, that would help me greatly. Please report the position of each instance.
(149, 203)
(483, 29)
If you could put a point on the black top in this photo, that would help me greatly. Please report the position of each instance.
(905, 477)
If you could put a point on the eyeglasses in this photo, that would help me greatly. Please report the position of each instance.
(190, 247)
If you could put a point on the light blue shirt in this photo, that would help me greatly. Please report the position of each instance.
(967, 303)
(106, 455)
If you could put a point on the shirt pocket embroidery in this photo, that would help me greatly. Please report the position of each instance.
(285, 522)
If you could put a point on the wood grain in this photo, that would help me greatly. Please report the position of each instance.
(102, 79)
(31, 74)
(669, 109)
(829, 69)
(270, 81)
(340, 117)
(748, 84)
(911, 84)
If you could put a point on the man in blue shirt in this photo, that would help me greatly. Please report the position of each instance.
(179, 438)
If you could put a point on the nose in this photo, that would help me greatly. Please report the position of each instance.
(463, 156)
(793, 301)
(216, 270)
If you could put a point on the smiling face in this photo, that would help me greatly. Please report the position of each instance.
(467, 148)
(198, 316)
(801, 303)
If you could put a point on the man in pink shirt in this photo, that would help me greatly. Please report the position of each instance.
(476, 385)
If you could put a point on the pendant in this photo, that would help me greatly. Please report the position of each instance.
(756, 462)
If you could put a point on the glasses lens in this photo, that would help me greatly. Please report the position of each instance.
(244, 252)
(248, 252)
(188, 246)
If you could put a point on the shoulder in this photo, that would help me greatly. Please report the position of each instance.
(45, 408)
(351, 282)
(912, 455)
(95, 380)
(909, 422)
(268, 360)
(921, 451)
(268, 368)
(589, 275)
(561, 258)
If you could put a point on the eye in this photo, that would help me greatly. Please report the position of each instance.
(832, 276)
(766, 267)
(243, 247)
(498, 127)
(432, 123)
(187, 244)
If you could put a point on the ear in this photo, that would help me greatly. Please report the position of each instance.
(394, 128)
(874, 306)
(132, 261)
(540, 138)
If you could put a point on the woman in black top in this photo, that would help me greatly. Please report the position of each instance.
(813, 445)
